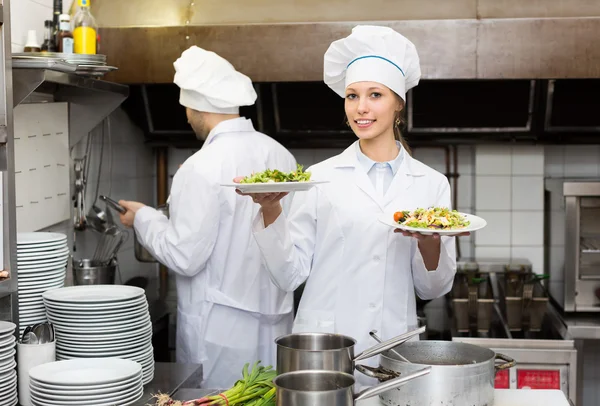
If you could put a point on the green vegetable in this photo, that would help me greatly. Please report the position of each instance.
(275, 175)
(256, 388)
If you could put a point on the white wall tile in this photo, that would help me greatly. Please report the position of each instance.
(497, 231)
(554, 161)
(493, 160)
(466, 248)
(432, 157)
(527, 193)
(15, 47)
(527, 228)
(465, 190)
(528, 160)
(466, 159)
(492, 192)
(557, 228)
(582, 161)
(534, 254)
(483, 252)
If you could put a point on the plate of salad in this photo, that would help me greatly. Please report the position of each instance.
(275, 181)
(433, 220)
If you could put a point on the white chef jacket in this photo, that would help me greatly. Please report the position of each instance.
(363, 276)
(228, 310)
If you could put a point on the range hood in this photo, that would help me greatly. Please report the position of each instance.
(543, 49)
(272, 41)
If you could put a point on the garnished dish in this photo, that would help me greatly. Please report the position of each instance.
(440, 218)
(275, 175)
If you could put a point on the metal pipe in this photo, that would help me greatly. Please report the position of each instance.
(162, 192)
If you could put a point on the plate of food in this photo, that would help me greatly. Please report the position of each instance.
(275, 181)
(433, 220)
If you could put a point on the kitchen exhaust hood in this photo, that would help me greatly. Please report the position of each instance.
(490, 70)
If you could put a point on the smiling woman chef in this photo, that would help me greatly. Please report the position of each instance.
(360, 275)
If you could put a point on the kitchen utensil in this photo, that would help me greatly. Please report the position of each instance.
(112, 203)
(108, 246)
(90, 272)
(79, 220)
(379, 340)
(322, 351)
(461, 374)
(333, 388)
(96, 218)
(29, 338)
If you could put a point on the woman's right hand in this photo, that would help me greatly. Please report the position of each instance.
(269, 202)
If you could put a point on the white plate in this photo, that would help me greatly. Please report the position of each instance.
(87, 371)
(92, 389)
(106, 328)
(30, 291)
(115, 395)
(30, 265)
(41, 275)
(275, 187)
(86, 317)
(23, 249)
(42, 270)
(68, 346)
(28, 256)
(75, 342)
(7, 327)
(133, 352)
(7, 365)
(95, 294)
(111, 402)
(477, 223)
(39, 238)
(29, 262)
(97, 309)
(90, 338)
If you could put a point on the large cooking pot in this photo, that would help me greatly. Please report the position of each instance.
(332, 388)
(331, 352)
(461, 374)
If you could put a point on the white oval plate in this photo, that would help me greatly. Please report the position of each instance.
(274, 187)
(42, 247)
(70, 397)
(111, 402)
(113, 306)
(85, 318)
(39, 238)
(91, 389)
(104, 311)
(111, 337)
(7, 327)
(477, 223)
(94, 294)
(85, 371)
(29, 256)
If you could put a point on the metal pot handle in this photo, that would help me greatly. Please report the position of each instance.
(389, 344)
(378, 373)
(391, 384)
(509, 362)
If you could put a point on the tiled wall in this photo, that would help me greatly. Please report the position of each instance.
(509, 195)
(30, 15)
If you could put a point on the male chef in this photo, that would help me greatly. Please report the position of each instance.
(228, 310)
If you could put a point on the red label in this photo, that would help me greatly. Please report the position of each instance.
(502, 380)
(538, 379)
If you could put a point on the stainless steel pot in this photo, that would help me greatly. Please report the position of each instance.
(90, 272)
(461, 374)
(331, 352)
(331, 388)
(141, 253)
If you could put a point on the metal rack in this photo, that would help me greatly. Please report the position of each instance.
(8, 287)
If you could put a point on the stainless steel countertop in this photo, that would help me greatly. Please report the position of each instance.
(168, 378)
(577, 326)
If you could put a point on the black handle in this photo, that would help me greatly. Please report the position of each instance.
(113, 204)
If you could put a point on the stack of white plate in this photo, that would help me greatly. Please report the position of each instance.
(94, 381)
(41, 266)
(98, 321)
(8, 375)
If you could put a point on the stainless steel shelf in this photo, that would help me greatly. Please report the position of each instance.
(90, 100)
(6, 288)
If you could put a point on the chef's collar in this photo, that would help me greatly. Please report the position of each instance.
(367, 163)
(238, 124)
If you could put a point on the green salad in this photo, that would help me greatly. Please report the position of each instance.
(275, 175)
(433, 217)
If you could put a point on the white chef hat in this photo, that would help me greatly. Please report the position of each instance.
(210, 83)
(372, 54)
